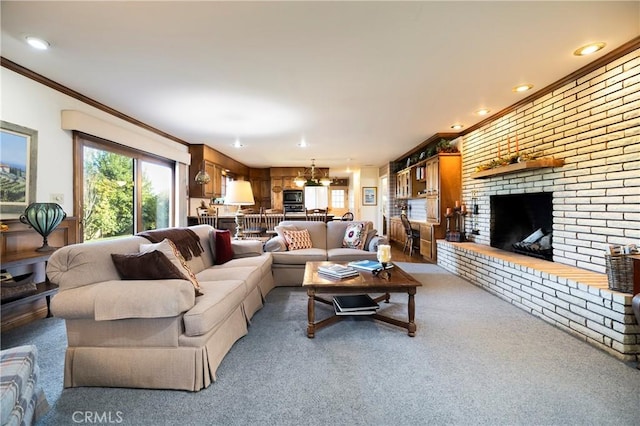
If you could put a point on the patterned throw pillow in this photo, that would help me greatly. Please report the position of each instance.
(169, 249)
(355, 235)
(297, 240)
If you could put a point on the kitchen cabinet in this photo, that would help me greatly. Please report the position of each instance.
(443, 188)
(427, 243)
(396, 230)
(403, 184)
(217, 165)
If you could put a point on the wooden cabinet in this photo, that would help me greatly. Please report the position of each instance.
(396, 230)
(432, 205)
(18, 257)
(216, 165)
(427, 243)
(403, 184)
(444, 188)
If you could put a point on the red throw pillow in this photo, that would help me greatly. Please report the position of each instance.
(224, 252)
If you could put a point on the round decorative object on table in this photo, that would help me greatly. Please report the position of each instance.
(43, 218)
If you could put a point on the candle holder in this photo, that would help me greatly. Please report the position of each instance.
(458, 234)
(384, 257)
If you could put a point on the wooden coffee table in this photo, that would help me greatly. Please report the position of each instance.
(365, 282)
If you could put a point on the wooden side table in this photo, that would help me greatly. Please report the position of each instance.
(43, 289)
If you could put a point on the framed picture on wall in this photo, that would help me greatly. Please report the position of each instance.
(18, 167)
(369, 196)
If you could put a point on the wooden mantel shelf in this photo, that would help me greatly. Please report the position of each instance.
(540, 163)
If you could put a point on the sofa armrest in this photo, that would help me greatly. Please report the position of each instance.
(375, 242)
(246, 248)
(275, 244)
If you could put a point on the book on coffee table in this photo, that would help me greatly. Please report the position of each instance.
(368, 265)
(338, 271)
(357, 304)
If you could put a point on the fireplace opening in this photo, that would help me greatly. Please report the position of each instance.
(523, 223)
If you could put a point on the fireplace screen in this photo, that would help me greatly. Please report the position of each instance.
(523, 223)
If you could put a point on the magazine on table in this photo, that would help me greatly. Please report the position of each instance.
(339, 271)
(369, 265)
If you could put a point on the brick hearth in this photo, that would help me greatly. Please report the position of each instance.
(573, 299)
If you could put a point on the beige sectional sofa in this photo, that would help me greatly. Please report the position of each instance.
(154, 333)
(288, 265)
(143, 333)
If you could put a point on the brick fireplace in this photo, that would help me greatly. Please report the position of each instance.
(515, 217)
(591, 121)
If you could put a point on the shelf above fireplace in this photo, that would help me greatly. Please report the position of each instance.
(540, 163)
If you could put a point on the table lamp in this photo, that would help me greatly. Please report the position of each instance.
(239, 193)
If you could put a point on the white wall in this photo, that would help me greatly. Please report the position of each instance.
(368, 178)
(30, 104)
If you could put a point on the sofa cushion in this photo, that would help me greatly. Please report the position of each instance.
(169, 249)
(317, 230)
(220, 299)
(223, 252)
(355, 235)
(297, 240)
(251, 275)
(299, 257)
(142, 299)
(78, 265)
(145, 266)
(349, 254)
(246, 248)
(276, 243)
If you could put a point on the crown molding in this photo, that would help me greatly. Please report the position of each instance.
(617, 53)
(10, 65)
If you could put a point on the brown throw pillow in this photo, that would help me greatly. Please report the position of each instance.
(145, 266)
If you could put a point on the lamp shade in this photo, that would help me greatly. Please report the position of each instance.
(239, 193)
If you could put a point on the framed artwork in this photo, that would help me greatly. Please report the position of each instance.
(18, 167)
(369, 196)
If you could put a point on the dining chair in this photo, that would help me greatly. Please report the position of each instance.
(205, 218)
(347, 216)
(411, 234)
(317, 215)
(272, 218)
(253, 226)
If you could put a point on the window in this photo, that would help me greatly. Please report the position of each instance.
(338, 198)
(122, 191)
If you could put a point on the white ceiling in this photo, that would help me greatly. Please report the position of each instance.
(361, 82)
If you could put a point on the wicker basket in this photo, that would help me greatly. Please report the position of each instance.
(620, 272)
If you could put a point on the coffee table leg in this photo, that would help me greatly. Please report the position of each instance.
(412, 313)
(311, 328)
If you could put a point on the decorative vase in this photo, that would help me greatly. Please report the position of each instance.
(43, 218)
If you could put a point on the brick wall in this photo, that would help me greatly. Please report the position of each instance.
(573, 299)
(593, 123)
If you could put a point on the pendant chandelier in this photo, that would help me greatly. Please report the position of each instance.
(202, 177)
(308, 177)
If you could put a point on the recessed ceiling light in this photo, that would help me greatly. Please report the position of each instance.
(589, 49)
(483, 111)
(302, 143)
(457, 126)
(37, 43)
(237, 144)
(523, 88)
